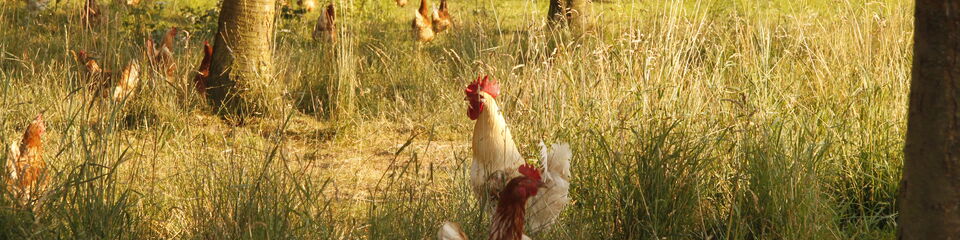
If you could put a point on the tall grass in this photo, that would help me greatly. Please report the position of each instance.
(688, 119)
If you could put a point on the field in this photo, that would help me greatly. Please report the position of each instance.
(688, 120)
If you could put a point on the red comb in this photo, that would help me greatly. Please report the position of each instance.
(530, 171)
(484, 83)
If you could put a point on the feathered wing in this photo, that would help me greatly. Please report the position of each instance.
(555, 196)
(450, 231)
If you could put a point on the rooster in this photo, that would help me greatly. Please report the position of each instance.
(508, 220)
(26, 170)
(200, 80)
(326, 26)
(441, 18)
(129, 79)
(495, 155)
(422, 24)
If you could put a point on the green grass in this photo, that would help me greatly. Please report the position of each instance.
(688, 120)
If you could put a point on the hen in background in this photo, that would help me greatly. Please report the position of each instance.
(161, 57)
(203, 73)
(422, 23)
(26, 169)
(441, 18)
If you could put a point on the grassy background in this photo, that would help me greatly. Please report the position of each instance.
(688, 119)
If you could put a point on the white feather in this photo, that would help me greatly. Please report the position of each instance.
(450, 231)
(545, 207)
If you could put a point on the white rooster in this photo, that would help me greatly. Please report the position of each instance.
(496, 158)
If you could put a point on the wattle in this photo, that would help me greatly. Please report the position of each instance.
(473, 111)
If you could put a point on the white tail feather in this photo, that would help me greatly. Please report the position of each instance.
(546, 206)
(450, 231)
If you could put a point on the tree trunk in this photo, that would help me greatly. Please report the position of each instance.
(556, 13)
(578, 14)
(573, 13)
(929, 198)
(242, 80)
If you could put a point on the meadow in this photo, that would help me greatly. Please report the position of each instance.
(710, 119)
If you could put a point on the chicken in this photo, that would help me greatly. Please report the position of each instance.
(129, 79)
(92, 75)
(200, 80)
(508, 220)
(326, 26)
(401, 3)
(161, 57)
(26, 170)
(90, 65)
(422, 24)
(495, 155)
(441, 18)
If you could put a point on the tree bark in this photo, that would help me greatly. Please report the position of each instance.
(557, 12)
(242, 80)
(929, 198)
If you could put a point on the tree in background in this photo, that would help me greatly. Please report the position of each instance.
(929, 198)
(242, 80)
(573, 13)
